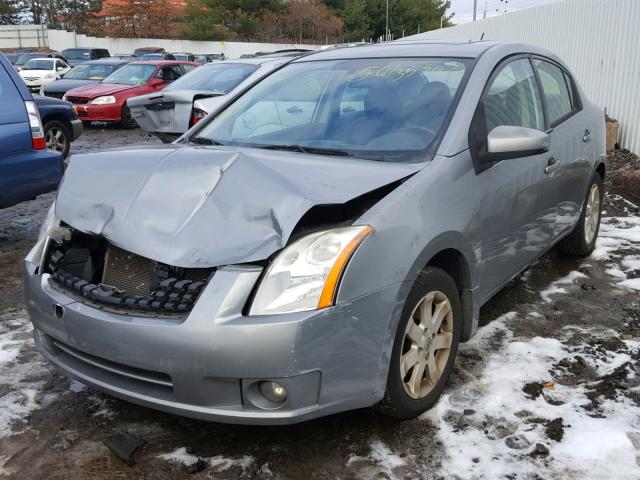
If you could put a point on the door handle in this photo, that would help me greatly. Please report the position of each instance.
(552, 165)
(587, 136)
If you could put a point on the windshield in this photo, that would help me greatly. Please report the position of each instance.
(220, 77)
(76, 54)
(89, 72)
(389, 109)
(38, 65)
(131, 74)
(152, 56)
(12, 57)
(179, 56)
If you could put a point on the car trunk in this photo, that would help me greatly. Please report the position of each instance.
(166, 112)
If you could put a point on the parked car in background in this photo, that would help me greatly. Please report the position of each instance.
(27, 168)
(76, 56)
(185, 57)
(12, 57)
(170, 113)
(60, 122)
(88, 73)
(327, 240)
(39, 72)
(138, 52)
(25, 57)
(106, 101)
(157, 56)
(123, 56)
(209, 57)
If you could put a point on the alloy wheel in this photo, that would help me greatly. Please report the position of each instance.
(56, 139)
(426, 345)
(592, 214)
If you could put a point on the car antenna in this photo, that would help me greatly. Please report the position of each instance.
(482, 36)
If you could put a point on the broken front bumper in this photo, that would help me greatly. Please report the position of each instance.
(208, 365)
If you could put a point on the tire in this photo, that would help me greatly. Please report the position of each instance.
(58, 137)
(582, 241)
(401, 400)
(126, 120)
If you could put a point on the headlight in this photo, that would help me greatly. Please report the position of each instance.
(50, 75)
(103, 100)
(41, 92)
(64, 97)
(306, 274)
(50, 222)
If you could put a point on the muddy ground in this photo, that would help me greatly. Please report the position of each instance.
(570, 324)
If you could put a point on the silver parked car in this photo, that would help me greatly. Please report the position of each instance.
(325, 241)
(170, 113)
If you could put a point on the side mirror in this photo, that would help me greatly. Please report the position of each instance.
(505, 142)
(156, 83)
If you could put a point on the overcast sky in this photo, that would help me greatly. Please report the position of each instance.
(463, 9)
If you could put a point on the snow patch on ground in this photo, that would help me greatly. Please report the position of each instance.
(23, 380)
(555, 287)
(219, 463)
(490, 429)
(381, 462)
(77, 387)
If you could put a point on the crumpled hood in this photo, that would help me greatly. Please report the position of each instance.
(63, 85)
(208, 206)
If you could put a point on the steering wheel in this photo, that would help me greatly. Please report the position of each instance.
(264, 128)
(419, 130)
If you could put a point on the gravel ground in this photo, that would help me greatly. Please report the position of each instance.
(548, 388)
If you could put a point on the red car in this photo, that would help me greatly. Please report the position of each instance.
(107, 101)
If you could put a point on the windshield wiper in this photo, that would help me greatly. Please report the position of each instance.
(316, 150)
(204, 141)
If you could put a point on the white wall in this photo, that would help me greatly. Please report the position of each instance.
(598, 39)
(34, 36)
(16, 36)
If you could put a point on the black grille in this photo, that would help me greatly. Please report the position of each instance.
(126, 280)
(78, 100)
(54, 94)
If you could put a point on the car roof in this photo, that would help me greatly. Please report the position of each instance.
(45, 58)
(405, 48)
(107, 61)
(162, 63)
(256, 60)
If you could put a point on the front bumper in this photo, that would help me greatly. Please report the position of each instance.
(208, 365)
(76, 129)
(99, 113)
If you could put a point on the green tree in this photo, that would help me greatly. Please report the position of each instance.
(211, 19)
(9, 12)
(356, 21)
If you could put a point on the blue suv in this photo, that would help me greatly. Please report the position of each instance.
(27, 168)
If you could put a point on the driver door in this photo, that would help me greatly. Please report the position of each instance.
(515, 212)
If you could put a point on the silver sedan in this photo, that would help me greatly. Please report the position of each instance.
(326, 240)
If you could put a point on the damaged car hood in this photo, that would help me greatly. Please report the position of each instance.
(208, 206)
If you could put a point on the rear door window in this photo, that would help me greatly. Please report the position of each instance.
(513, 98)
(13, 109)
(557, 93)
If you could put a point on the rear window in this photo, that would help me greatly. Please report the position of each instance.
(76, 54)
(13, 109)
(220, 77)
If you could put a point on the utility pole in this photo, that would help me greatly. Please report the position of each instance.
(475, 10)
(386, 28)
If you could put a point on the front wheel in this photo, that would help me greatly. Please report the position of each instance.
(425, 346)
(582, 241)
(126, 119)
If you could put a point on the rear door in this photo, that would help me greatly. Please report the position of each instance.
(572, 146)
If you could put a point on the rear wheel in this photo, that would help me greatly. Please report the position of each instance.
(126, 120)
(582, 241)
(57, 137)
(425, 346)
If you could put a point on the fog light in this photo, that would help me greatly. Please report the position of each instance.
(273, 391)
